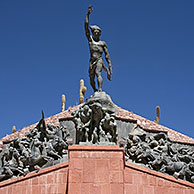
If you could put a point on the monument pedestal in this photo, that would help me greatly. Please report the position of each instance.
(96, 169)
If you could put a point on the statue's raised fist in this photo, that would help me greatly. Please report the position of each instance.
(90, 9)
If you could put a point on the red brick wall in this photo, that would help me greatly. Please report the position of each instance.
(139, 180)
(96, 170)
(52, 180)
(101, 170)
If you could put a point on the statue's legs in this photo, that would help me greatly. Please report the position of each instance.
(98, 74)
(92, 82)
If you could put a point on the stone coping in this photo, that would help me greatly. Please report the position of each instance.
(158, 174)
(95, 148)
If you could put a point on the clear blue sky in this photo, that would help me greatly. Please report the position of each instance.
(44, 53)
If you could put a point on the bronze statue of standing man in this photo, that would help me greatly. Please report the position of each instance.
(97, 47)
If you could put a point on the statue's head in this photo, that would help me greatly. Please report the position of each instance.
(96, 31)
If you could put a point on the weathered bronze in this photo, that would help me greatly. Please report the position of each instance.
(157, 152)
(43, 146)
(97, 47)
(95, 120)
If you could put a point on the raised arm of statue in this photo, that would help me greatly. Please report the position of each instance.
(87, 31)
(107, 57)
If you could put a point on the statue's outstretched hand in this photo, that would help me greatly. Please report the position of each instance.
(110, 69)
(109, 72)
(109, 76)
(90, 9)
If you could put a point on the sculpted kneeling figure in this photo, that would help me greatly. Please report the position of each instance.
(97, 47)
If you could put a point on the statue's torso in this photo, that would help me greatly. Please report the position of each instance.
(96, 49)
